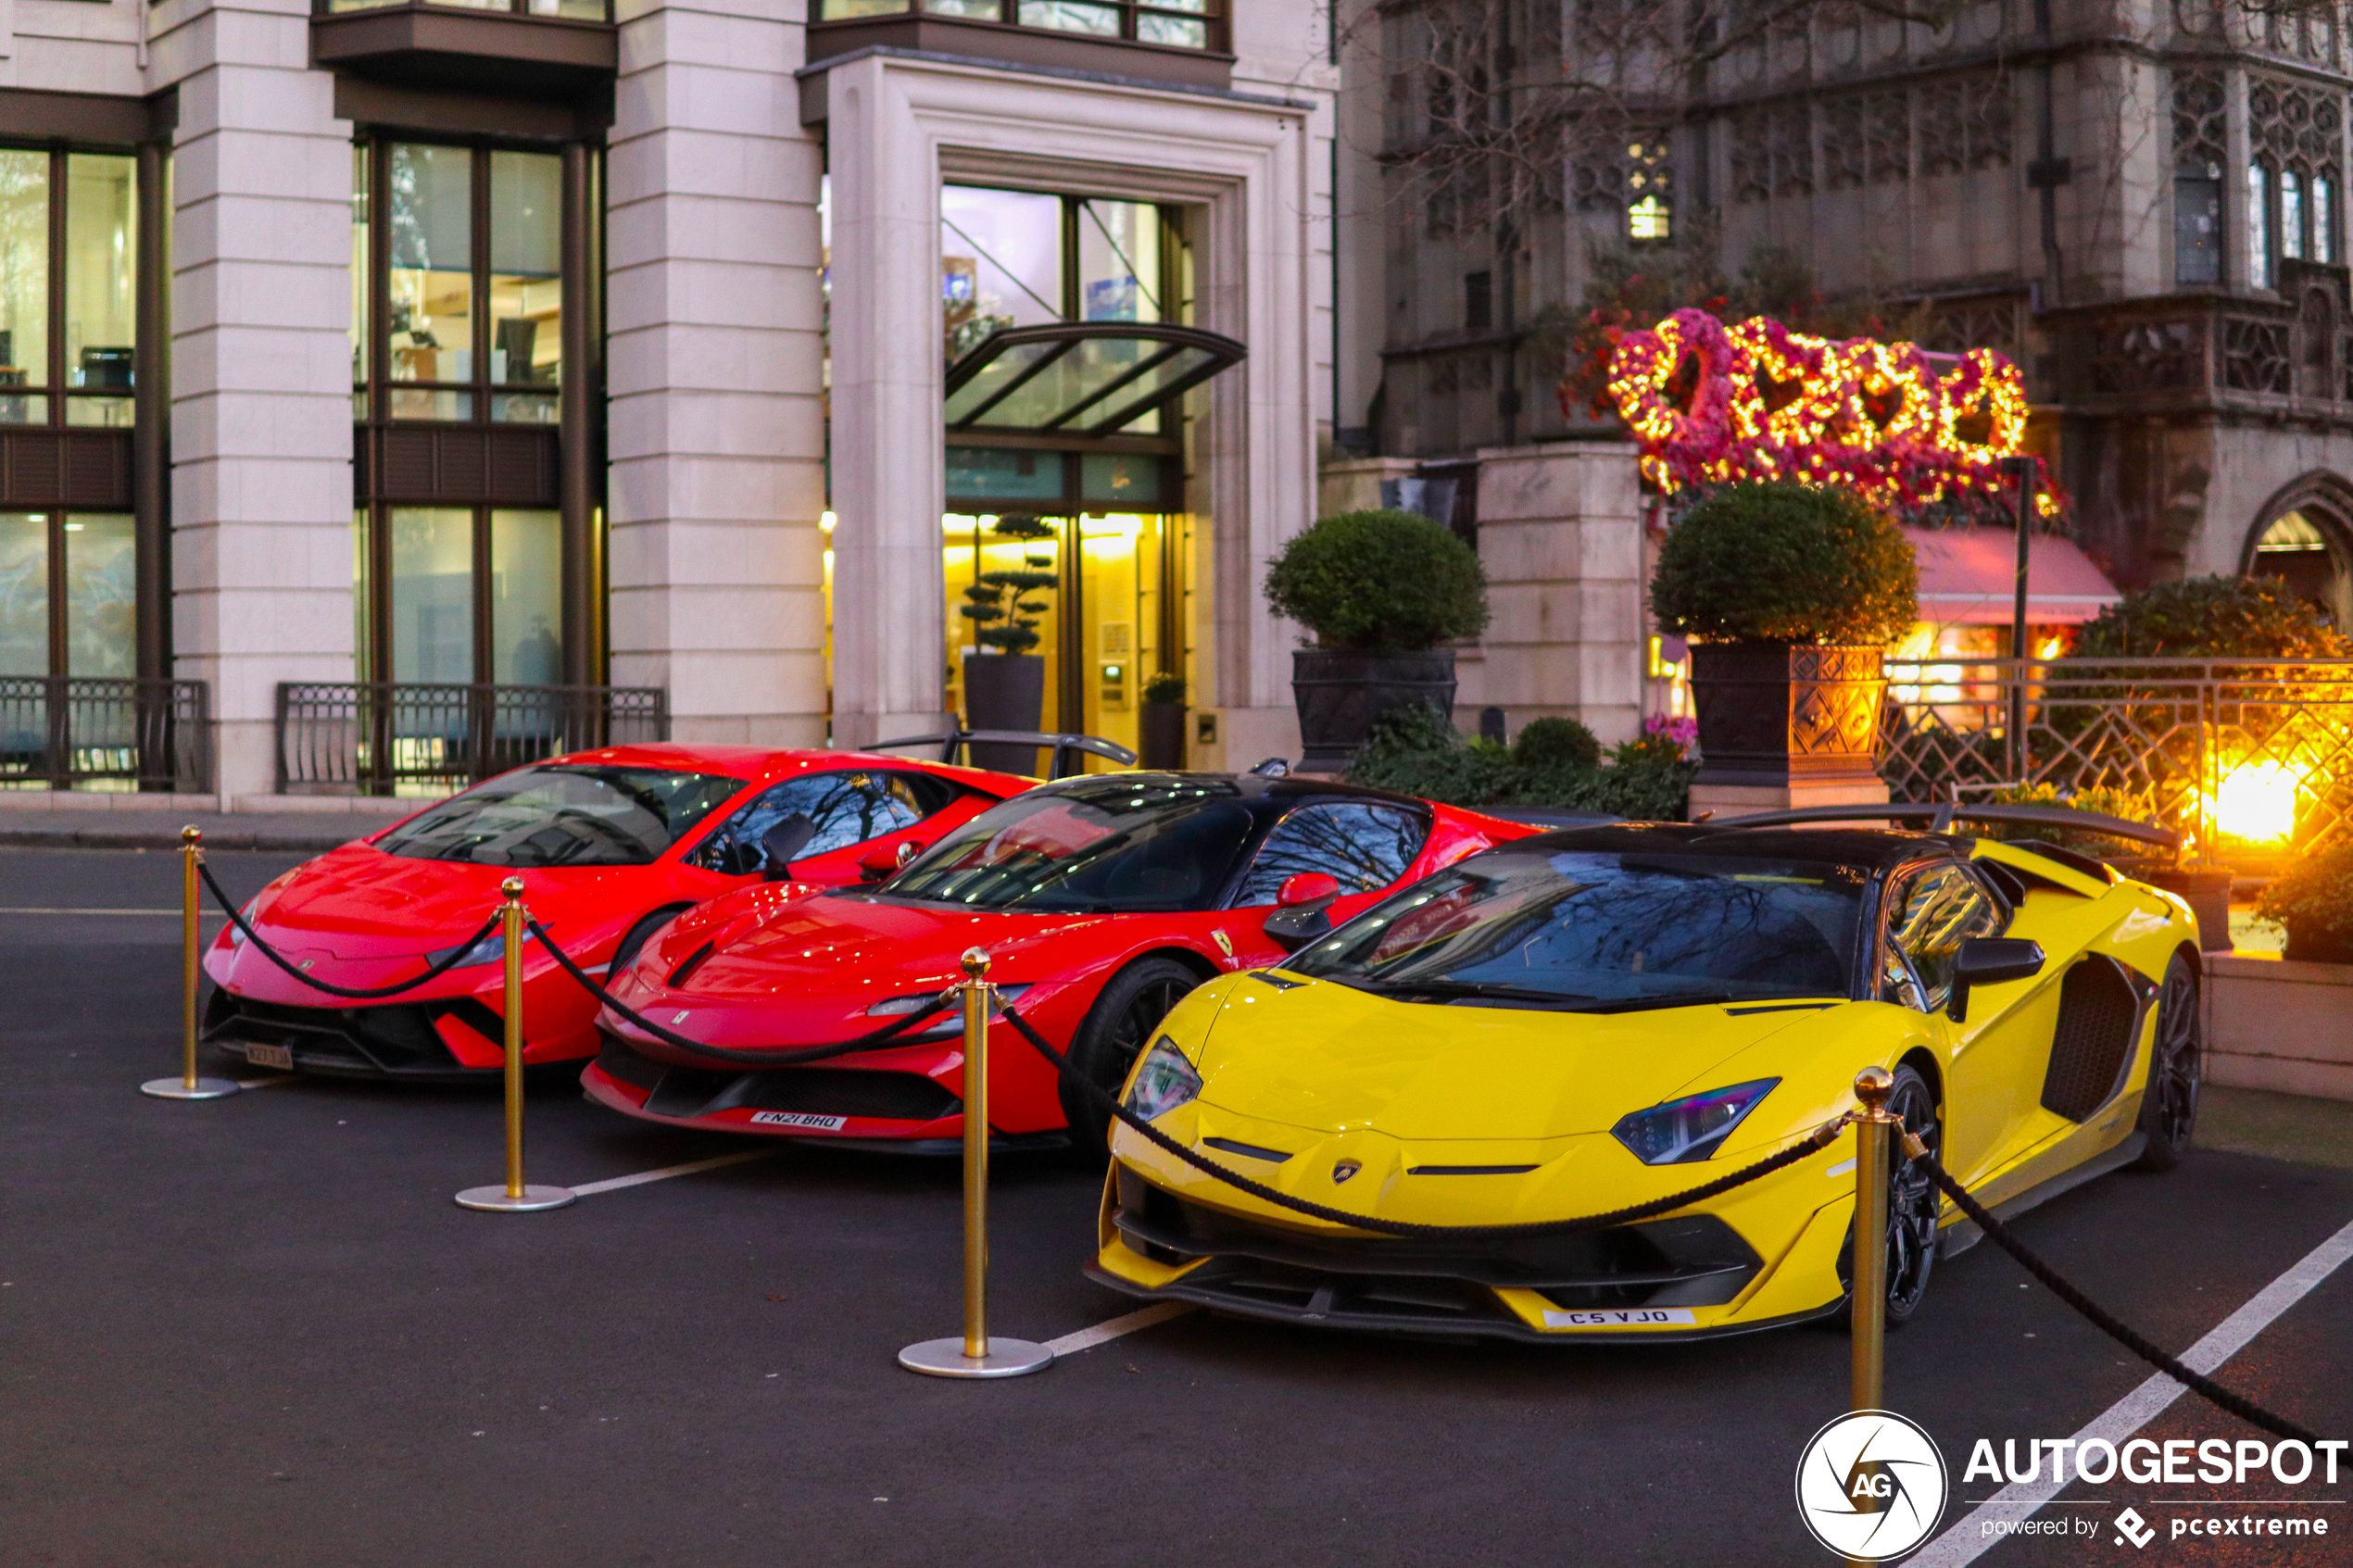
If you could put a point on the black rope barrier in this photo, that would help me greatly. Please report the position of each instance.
(357, 993)
(873, 1041)
(2100, 1318)
(1813, 1143)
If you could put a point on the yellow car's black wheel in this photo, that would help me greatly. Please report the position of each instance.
(2168, 1108)
(1117, 1028)
(1911, 1206)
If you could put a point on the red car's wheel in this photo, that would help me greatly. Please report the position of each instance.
(1117, 1028)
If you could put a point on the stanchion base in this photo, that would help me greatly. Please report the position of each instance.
(496, 1200)
(178, 1088)
(946, 1358)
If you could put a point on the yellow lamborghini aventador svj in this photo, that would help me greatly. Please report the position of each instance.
(1575, 1022)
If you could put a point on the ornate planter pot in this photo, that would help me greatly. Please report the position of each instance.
(1004, 691)
(1160, 735)
(1772, 714)
(1341, 694)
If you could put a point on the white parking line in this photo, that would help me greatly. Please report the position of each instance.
(692, 1167)
(1967, 1540)
(1105, 1332)
(29, 910)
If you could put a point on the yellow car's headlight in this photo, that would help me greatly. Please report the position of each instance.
(1163, 1082)
(1690, 1128)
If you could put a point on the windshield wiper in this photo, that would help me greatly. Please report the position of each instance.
(1496, 990)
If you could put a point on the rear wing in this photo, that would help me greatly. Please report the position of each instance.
(1941, 818)
(1062, 746)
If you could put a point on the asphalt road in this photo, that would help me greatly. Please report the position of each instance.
(257, 1332)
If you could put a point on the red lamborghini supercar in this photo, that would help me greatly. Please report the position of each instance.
(1101, 900)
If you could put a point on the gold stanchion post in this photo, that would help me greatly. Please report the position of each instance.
(974, 1353)
(1873, 1126)
(188, 1085)
(515, 1198)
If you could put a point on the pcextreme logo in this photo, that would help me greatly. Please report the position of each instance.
(1871, 1485)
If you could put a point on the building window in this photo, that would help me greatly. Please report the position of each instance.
(471, 276)
(2198, 135)
(2291, 215)
(2258, 226)
(1183, 24)
(68, 594)
(68, 290)
(1478, 302)
(1650, 191)
(2323, 218)
(463, 286)
(469, 595)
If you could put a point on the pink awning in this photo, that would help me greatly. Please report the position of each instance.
(1966, 576)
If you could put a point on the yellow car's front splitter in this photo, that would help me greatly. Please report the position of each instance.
(1667, 1280)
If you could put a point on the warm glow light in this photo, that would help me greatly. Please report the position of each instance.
(2257, 802)
(825, 521)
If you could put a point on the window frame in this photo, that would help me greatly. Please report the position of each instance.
(373, 396)
(1217, 37)
(59, 390)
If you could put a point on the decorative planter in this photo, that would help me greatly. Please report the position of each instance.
(1160, 735)
(1772, 714)
(2314, 947)
(1341, 694)
(1004, 691)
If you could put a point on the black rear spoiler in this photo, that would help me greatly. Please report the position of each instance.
(1941, 818)
(952, 741)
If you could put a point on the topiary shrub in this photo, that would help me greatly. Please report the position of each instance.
(1555, 742)
(2211, 618)
(1165, 687)
(2314, 900)
(1380, 582)
(1786, 564)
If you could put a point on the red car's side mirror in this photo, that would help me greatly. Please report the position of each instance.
(879, 863)
(1307, 887)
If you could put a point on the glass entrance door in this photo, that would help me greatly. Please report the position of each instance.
(1104, 597)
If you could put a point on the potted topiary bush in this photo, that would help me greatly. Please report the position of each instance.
(1004, 683)
(1160, 722)
(1381, 591)
(2314, 898)
(1789, 596)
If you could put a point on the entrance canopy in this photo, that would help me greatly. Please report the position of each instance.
(1968, 576)
(1079, 378)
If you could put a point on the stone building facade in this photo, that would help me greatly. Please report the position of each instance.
(2142, 204)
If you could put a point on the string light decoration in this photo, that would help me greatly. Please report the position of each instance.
(1711, 405)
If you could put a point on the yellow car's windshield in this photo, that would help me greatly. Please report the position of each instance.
(1589, 929)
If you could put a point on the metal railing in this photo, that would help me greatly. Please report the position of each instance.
(2249, 759)
(360, 737)
(60, 731)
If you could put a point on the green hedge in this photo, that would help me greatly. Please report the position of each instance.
(2314, 898)
(1383, 582)
(1415, 751)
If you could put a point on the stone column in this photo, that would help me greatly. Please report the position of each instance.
(889, 464)
(1560, 534)
(261, 364)
(716, 422)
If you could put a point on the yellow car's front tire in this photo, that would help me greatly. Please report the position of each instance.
(1912, 1205)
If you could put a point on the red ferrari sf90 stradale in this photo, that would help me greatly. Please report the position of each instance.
(1101, 900)
(611, 845)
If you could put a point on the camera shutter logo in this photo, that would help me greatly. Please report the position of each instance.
(1871, 1485)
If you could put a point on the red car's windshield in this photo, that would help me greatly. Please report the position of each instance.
(564, 815)
(1110, 843)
